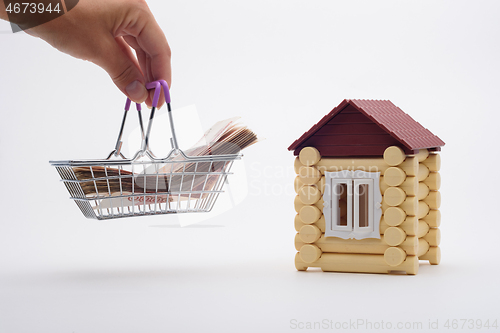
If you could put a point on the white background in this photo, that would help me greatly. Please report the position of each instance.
(281, 65)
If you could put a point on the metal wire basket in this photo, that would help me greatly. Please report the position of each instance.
(145, 185)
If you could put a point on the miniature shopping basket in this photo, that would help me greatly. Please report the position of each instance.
(145, 185)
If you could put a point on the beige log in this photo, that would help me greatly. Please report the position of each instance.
(423, 172)
(299, 264)
(297, 204)
(309, 195)
(409, 226)
(409, 206)
(433, 255)
(297, 184)
(423, 247)
(363, 164)
(358, 263)
(433, 181)
(321, 185)
(309, 233)
(422, 155)
(433, 237)
(433, 200)
(394, 216)
(309, 156)
(320, 204)
(297, 165)
(309, 175)
(367, 245)
(298, 242)
(297, 222)
(309, 214)
(394, 156)
(410, 185)
(433, 218)
(423, 209)
(394, 196)
(410, 166)
(383, 185)
(423, 191)
(394, 256)
(423, 228)
(394, 236)
(394, 176)
(309, 253)
(433, 162)
(320, 223)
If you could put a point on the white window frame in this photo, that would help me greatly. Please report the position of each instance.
(335, 208)
(332, 213)
(357, 228)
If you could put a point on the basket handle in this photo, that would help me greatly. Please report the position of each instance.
(119, 142)
(157, 86)
(129, 102)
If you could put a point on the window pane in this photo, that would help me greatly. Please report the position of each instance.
(342, 195)
(363, 205)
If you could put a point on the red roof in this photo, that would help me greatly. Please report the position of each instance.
(390, 119)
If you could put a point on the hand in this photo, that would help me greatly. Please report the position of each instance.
(104, 32)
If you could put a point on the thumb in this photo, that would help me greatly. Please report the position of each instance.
(121, 65)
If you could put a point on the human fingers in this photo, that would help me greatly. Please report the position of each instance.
(144, 62)
(116, 58)
(158, 60)
(149, 38)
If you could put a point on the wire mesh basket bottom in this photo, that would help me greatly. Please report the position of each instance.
(137, 189)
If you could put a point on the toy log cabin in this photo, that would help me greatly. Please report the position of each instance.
(367, 191)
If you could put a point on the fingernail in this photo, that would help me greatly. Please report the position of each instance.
(137, 92)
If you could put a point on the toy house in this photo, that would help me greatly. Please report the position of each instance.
(367, 191)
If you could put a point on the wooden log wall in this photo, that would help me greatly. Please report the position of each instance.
(430, 202)
(409, 226)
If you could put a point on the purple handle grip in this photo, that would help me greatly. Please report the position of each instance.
(127, 105)
(156, 85)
